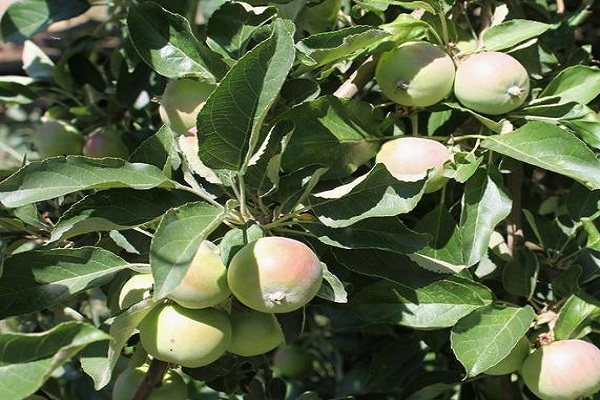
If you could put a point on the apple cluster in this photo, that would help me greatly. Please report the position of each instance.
(421, 74)
(198, 322)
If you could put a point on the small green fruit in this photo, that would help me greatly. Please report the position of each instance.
(563, 370)
(205, 282)
(415, 74)
(275, 275)
(190, 338)
(57, 138)
(292, 361)
(181, 102)
(513, 361)
(254, 332)
(173, 386)
(491, 83)
(409, 158)
(136, 289)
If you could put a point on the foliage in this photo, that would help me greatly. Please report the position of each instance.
(422, 291)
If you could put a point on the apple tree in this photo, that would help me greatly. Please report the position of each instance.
(300, 199)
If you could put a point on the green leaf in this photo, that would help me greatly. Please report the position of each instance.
(324, 48)
(236, 238)
(520, 275)
(36, 63)
(176, 240)
(510, 33)
(16, 93)
(582, 202)
(34, 280)
(575, 316)
(406, 28)
(394, 364)
(373, 233)
(24, 18)
(550, 147)
(166, 43)
(395, 267)
(438, 305)
(375, 194)
(233, 115)
(445, 251)
(58, 176)
(117, 209)
(28, 360)
(121, 329)
(578, 83)
(340, 134)
(483, 338)
(332, 288)
(294, 188)
(484, 204)
(231, 27)
(157, 150)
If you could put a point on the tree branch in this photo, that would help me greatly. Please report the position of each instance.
(152, 379)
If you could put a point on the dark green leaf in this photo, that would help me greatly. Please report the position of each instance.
(166, 43)
(157, 150)
(578, 83)
(24, 18)
(520, 275)
(35, 280)
(575, 316)
(28, 360)
(231, 120)
(550, 147)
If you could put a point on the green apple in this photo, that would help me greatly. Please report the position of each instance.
(181, 102)
(491, 83)
(292, 361)
(205, 282)
(275, 274)
(136, 289)
(415, 74)
(57, 138)
(173, 386)
(187, 337)
(253, 332)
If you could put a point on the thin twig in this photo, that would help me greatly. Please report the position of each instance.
(152, 379)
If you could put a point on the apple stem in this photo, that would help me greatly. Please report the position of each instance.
(153, 378)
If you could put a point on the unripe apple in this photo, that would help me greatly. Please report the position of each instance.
(513, 361)
(275, 274)
(136, 289)
(181, 102)
(491, 83)
(57, 138)
(205, 283)
(409, 158)
(416, 74)
(292, 361)
(190, 338)
(563, 370)
(105, 144)
(173, 386)
(253, 332)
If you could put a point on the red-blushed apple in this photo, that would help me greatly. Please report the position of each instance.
(409, 159)
(491, 83)
(563, 370)
(105, 144)
(415, 74)
(275, 274)
(187, 337)
(205, 283)
(253, 332)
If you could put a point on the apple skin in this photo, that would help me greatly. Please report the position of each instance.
(253, 332)
(292, 362)
(136, 289)
(563, 370)
(173, 386)
(205, 282)
(190, 338)
(409, 158)
(275, 275)
(491, 83)
(415, 74)
(57, 138)
(181, 102)
(513, 361)
(105, 144)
